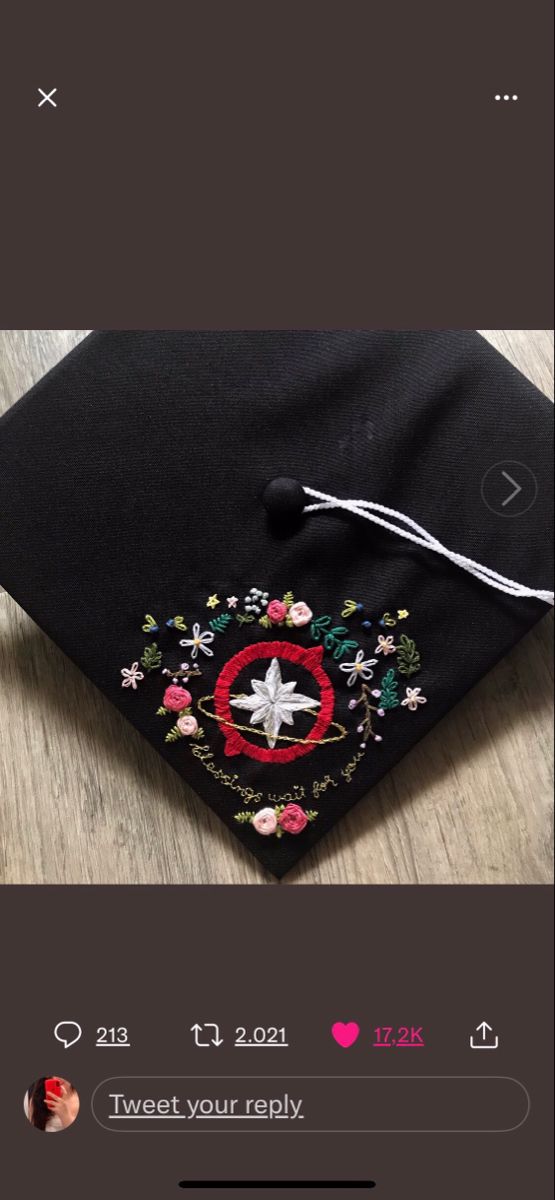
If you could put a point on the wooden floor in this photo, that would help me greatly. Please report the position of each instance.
(83, 799)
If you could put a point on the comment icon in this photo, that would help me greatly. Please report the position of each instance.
(68, 1033)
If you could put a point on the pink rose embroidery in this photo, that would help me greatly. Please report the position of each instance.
(300, 613)
(176, 698)
(265, 822)
(277, 611)
(187, 726)
(293, 819)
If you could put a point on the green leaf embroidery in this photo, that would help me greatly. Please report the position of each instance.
(347, 646)
(245, 620)
(349, 607)
(333, 637)
(389, 689)
(152, 658)
(220, 624)
(243, 818)
(179, 623)
(319, 626)
(174, 735)
(408, 657)
(150, 625)
(289, 599)
(162, 712)
(265, 622)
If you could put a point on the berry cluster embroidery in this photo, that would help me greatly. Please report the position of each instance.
(262, 713)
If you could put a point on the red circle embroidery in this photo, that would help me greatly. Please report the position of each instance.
(311, 660)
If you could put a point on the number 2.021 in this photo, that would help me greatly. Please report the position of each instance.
(261, 1035)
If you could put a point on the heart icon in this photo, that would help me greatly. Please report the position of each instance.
(345, 1033)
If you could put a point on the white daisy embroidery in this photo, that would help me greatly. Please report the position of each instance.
(361, 668)
(413, 699)
(199, 641)
(132, 676)
(273, 702)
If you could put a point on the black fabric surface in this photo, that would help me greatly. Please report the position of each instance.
(131, 482)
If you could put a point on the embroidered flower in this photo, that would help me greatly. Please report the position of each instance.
(361, 668)
(293, 819)
(199, 641)
(385, 645)
(187, 726)
(213, 601)
(402, 614)
(277, 611)
(256, 601)
(132, 676)
(232, 601)
(413, 699)
(265, 822)
(176, 698)
(300, 613)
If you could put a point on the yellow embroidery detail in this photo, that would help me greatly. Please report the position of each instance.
(281, 737)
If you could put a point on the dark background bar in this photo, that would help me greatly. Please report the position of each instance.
(283, 1183)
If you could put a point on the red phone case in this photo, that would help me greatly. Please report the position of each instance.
(53, 1085)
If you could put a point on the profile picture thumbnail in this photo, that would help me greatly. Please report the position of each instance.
(51, 1103)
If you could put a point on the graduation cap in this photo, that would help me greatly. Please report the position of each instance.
(283, 555)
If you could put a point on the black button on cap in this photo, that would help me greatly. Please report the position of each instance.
(283, 498)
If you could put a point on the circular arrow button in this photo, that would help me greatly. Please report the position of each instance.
(509, 488)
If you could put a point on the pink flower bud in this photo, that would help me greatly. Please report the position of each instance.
(293, 819)
(265, 821)
(176, 698)
(277, 611)
(300, 613)
(187, 726)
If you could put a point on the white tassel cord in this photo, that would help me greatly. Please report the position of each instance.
(413, 532)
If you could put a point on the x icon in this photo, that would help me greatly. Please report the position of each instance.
(47, 97)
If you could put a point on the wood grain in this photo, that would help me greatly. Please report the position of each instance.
(84, 799)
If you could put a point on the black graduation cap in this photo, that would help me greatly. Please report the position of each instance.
(282, 555)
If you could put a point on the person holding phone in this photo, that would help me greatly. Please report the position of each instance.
(51, 1103)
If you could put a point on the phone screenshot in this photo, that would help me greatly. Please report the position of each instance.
(276, 599)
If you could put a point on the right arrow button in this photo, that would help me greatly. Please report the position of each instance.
(516, 488)
(509, 488)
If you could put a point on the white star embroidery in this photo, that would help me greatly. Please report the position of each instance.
(272, 703)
